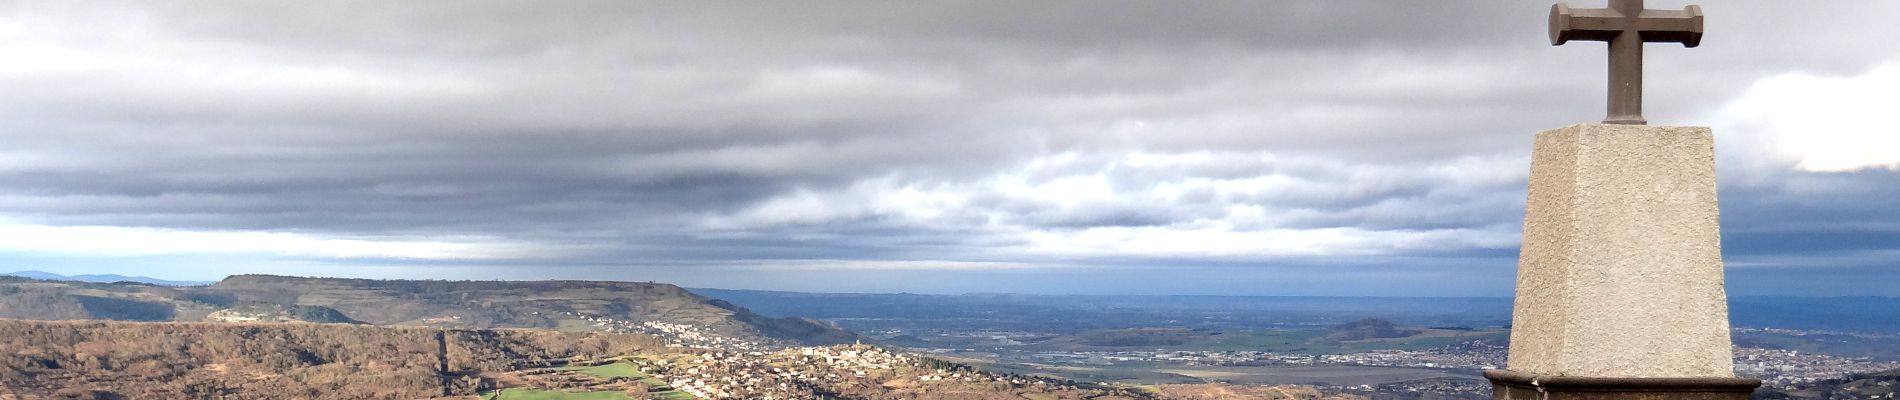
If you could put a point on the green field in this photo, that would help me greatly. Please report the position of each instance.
(534, 394)
(622, 369)
(614, 370)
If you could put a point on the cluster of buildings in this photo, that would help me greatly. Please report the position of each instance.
(1776, 368)
(704, 377)
(683, 335)
(232, 315)
(1780, 368)
(1467, 355)
(1473, 355)
(675, 335)
(1799, 332)
(728, 367)
(802, 371)
(1444, 388)
(1788, 368)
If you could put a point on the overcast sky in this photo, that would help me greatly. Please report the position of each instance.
(1257, 148)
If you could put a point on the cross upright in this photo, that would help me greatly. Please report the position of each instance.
(1626, 25)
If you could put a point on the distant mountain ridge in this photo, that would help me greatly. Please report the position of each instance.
(1368, 328)
(523, 304)
(103, 278)
(557, 305)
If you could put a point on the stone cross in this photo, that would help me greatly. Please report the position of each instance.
(1620, 291)
(1626, 25)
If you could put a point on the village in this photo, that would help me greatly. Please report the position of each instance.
(1775, 367)
(675, 335)
(791, 373)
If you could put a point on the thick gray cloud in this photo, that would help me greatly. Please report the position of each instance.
(632, 139)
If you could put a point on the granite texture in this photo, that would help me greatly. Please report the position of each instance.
(1620, 274)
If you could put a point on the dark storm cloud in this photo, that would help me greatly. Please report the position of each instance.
(686, 133)
(1857, 215)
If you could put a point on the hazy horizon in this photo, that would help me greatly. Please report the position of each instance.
(938, 293)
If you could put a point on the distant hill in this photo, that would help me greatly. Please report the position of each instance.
(1368, 328)
(103, 278)
(171, 360)
(560, 305)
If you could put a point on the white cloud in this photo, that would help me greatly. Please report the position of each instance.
(1824, 123)
(877, 265)
(1224, 241)
(139, 241)
(1193, 204)
(659, 133)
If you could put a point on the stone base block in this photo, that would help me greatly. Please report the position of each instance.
(1621, 270)
(1512, 385)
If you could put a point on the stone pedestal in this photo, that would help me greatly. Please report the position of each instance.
(1507, 385)
(1620, 275)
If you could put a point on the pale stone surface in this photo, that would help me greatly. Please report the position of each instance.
(1620, 274)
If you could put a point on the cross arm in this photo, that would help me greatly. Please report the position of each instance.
(1604, 24)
